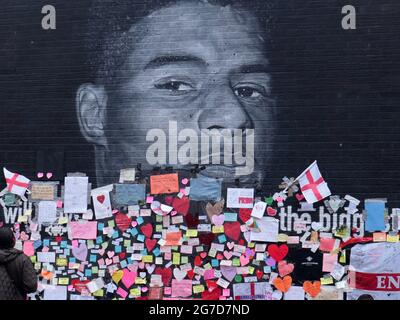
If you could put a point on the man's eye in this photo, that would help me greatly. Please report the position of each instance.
(248, 92)
(174, 86)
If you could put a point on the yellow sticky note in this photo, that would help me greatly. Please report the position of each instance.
(63, 220)
(127, 243)
(326, 281)
(147, 259)
(251, 244)
(251, 270)
(198, 288)
(159, 218)
(191, 233)
(342, 258)
(33, 259)
(139, 280)
(61, 262)
(23, 219)
(218, 229)
(28, 212)
(99, 293)
(135, 292)
(176, 258)
(63, 281)
(282, 237)
(159, 228)
(392, 238)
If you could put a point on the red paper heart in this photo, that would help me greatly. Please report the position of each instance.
(211, 285)
(206, 238)
(58, 239)
(232, 230)
(166, 275)
(197, 261)
(80, 286)
(271, 211)
(191, 221)
(278, 252)
(241, 242)
(259, 274)
(213, 295)
(299, 196)
(244, 214)
(147, 230)
(122, 221)
(181, 205)
(122, 255)
(101, 198)
(190, 274)
(168, 200)
(150, 243)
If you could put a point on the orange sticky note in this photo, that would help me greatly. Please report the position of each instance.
(173, 238)
(164, 183)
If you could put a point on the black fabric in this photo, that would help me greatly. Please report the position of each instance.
(307, 265)
(17, 275)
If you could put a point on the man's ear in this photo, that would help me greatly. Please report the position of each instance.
(91, 103)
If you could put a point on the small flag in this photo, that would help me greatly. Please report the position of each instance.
(16, 183)
(313, 185)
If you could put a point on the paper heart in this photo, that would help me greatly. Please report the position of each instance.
(150, 243)
(197, 261)
(197, 277)
(244, 214)
(101, 252)
(122, 221)
(134, 223)
(144, 289)
(128, 278)
(191, 221)
(211, 284)
(101, 198)
(147, 230)
(217, 208)
(316, 226)
(285, 268)
(203, 255)
(213, 295)
(244, 260)
(122, 255)
(181, 205)
(299, 196)
(232, 230)
(49, 175)
(117, 276)
(227, 254)
(80, 286)
(110, 254)
(168, 200)
(218, 220)
(271, 211)
(230, 245)
(133, 267)
(283, 284)
(278, 252)
(312, 288)
(271, 262)
(259, 274)
(190, 274)
(229, 272)
(206, 238)
(40, 174)
(219, 256)
(150, 268)
(141, 265)
(179, 274)
(166, 275)
(108, 261)
(185, 181)
(335, 204)
(80, 252)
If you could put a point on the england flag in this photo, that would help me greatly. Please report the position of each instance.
(16, 183)
(312, 184)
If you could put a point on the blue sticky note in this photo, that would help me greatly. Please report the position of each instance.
(46, 242)
(140, 238)
(134, 232)
(215, 262)
(67, 252)
(375, 209)
(267, 269)
(118, 249)
(93, 258)
(222, 238)
(129, 260)
(72, 260)
(115, 234)
(139, 220)
(99, 240)
(88, 273)
(143, 252)
(64, 244)
(123, 264)
(230, 216)
(100, 226)
(37, 244)
(156, 252)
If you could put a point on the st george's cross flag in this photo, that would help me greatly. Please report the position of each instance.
(312, 184)
(16, 183)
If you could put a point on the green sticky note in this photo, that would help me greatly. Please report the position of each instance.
(269, 200)
(184, 259)
(236, 262)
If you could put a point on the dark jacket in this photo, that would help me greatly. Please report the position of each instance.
(17, 275)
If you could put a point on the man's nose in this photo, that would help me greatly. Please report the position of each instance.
(223, 110)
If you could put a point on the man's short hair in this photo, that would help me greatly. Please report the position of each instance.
(108, 20)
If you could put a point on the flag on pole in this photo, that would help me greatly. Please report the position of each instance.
(312, 184)
(16, 183)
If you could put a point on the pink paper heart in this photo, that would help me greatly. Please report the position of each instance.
(227, 254)
(230, 245)
(49, 175)
(128, 279)
(141, 265)
(229, 272)
(203, 254)
(110, 254)
(144, 289)
(299, 196)
(218, 220)
(185, 181)
(244, 260)
(271, 262)
(285, 268)
(134, 223)
(80, 252)
(40, 175)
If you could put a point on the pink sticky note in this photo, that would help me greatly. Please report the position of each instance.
(329, 261)
(100, 262)
(45, 249)
(167, 290)
(59, 203)
(209, 274)
(183, 191)
(122, 293)
(149, 199)
(86, 230)
(70, 287)
(226, 292)
(182, 288)
(75, 244)
(326, 244)
(28, 248)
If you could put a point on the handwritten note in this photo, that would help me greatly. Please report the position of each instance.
(164, 183)
(83, 230)
(76, 194)
(240, 198)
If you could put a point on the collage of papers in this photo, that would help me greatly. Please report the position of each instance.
(172, 237)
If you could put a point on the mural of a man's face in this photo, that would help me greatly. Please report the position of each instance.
(199, 66)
